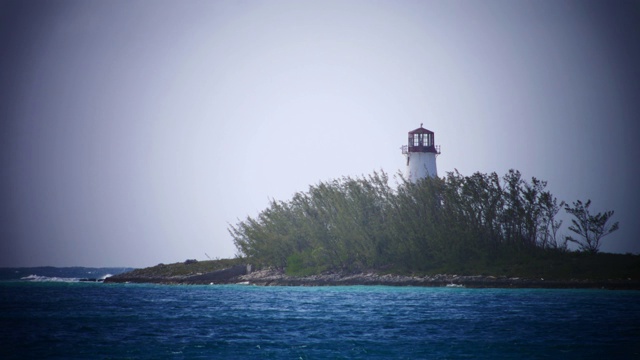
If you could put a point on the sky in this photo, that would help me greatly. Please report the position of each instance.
(134, 132)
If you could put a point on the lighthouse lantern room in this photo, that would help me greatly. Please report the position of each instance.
(421, 152)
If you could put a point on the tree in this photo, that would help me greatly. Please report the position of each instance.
(549, 226)
(362, 223)
(592, 228)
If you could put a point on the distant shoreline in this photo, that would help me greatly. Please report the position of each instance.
(272, 277)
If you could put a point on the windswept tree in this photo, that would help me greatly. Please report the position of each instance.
(549, 226)
(591, 228)
(362, 223)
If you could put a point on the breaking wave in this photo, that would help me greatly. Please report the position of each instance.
(38, 278)
(53, 274)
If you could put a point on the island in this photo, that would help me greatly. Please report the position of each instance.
(481, 230)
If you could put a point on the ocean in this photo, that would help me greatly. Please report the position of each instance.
(64, 318)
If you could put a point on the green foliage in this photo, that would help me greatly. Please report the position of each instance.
(461, 223)
(302, 264)
(592, 228)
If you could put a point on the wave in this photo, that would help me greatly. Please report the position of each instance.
(39, 278)
(66, 274)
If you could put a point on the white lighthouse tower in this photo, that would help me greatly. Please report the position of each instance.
(421, 153)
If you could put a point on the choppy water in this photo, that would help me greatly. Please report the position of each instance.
(68, 320)
(66, 274)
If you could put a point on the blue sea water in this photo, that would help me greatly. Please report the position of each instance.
(80, 320)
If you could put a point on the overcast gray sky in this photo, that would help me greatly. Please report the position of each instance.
(133, 132)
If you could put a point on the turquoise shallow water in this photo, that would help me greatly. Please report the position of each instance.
(74, 320)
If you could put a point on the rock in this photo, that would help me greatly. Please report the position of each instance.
(275, 277)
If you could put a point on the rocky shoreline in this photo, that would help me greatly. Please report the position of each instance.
(271, 277)
(242, 274)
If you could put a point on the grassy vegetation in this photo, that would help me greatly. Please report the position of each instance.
(187, 268)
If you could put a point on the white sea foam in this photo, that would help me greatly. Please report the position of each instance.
(49, 278)
(455, 285)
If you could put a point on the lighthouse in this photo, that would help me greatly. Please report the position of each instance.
(421, 153)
